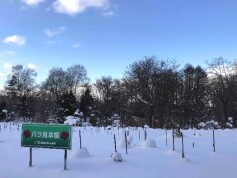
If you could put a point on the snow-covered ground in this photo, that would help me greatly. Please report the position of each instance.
(145, 159)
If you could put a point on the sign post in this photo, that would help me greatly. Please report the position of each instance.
(47, 136)
(30, 161)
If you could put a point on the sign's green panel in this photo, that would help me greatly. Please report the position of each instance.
(46, 136)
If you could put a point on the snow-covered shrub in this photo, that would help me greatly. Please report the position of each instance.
(209, 125)
(212, 125)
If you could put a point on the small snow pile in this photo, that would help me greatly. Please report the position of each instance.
(80, 153)
(201, 125)
(146, 127)
(122, 142)
(116, 157)
(78, 113)
(129, 140)
(149, 143)
(71, 120)
(229, 124)
(5, 111)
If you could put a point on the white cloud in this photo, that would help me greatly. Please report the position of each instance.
(31, 66)
(76, 45)
(108, 13)
(72, 7)
(7, 65)
(50, 42)
(15, 39)
(8, 53)
(2, 74)
(11, 53)
(53, 32)
(32, 2)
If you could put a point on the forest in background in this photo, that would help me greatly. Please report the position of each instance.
(152, 91)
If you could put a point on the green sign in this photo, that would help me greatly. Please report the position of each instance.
(46, 136)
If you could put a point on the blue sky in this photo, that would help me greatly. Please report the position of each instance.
(106, 36)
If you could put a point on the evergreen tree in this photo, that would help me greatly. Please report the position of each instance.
(11, 87)
(3, 106)
(86, 103)
(68, 106)
(24, 107)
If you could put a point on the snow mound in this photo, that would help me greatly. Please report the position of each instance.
(130, 139)
(149, 143)
(122, 131)
(71, 120)
(80, 153)
(121, 143)
(116, 157)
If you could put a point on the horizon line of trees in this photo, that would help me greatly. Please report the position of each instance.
(152, 91)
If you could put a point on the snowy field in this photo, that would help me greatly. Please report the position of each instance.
(145, 159)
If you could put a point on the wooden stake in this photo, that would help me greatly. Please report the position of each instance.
(165, 137)
(145, 135)
(65, 160)
(80, 137)
(214, 144)
(182, 145)
(139, 135)
(115, 149)
(30, 161)
(173, 140)
(126, 142)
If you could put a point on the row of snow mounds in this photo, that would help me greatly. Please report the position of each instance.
(83, 153)
(116, 156)
(149, 143)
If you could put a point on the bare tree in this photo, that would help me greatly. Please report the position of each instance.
(220, 74)
(76, 76)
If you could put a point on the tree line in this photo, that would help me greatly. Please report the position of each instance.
(152, 91)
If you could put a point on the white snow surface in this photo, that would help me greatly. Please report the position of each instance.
(140, 162)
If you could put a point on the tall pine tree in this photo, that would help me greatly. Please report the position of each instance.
(86, 103)
(67, 107)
